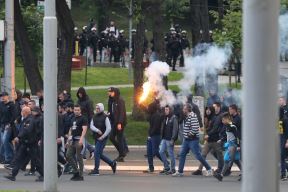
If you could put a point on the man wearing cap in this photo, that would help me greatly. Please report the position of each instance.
(7, 118)
(184, 45)
(174, 48)
(83, 38)
(93, 42)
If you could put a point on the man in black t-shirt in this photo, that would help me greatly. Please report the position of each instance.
(75, 143)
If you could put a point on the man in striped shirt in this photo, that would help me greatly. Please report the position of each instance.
(191, 141)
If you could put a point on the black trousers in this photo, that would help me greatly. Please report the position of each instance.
(117, 139)
(25, 153)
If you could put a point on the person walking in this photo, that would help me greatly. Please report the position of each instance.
(118, 114)
(75, 143)
(101, 128)
(191, 141)
(233, 146)
(169, 132)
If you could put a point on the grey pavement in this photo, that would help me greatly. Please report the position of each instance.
(129, 177)
(131, 182)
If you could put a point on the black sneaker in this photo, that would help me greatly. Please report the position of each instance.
(78, 178)
(284, 178)
(30, 173)
(114, 166)
(7, 162)
(74, 176)
(218, 176)
(10, 177)
(227, 173)
(148, 171)
(197, 172)
(171, 172)
(40, 179)
(9, 167)
(94, 173)
(165, 172)
(60, 171)
(119, 159)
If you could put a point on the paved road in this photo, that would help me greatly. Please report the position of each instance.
(132, 179)
(131, 182)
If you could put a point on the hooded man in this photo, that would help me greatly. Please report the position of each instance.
(101, 128)
(117, 112)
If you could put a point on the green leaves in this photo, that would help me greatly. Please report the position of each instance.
(33, 20)
(231, 25)
(176, 9)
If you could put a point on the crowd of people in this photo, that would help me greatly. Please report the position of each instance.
(22, 137)
(22, 133)
(113, 44)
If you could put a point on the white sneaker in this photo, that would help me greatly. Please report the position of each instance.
(209, 173)
(177, 174)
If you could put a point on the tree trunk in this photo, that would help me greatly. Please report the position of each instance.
(30, 62)
(204, 15)
(103, 14)
(220, 12)
(199, 21)
(158, 33)
(138, 69)
(66, 32)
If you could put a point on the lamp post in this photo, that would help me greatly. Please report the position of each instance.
(9, 50)
(50, 97)
(260, 53)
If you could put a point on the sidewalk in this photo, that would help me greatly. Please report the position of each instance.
(136, 161)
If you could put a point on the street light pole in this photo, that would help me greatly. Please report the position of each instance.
(260, 86)
(9, 50)
(130, 38)
(50, 96)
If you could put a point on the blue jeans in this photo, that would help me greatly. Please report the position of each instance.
(166, 145)
(87, 146)
(153, 149)
(192, 145)
(283, 155)
(98, 154)
(7, 147)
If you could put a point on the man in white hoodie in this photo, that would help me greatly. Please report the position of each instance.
(101, 127)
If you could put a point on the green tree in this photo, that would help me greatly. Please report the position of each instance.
(231, 30)
(33, 21)
(176, 9)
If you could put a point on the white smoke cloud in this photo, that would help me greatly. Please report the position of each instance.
(212, 59)
(209, 61)
(283, 30)
(155, 73)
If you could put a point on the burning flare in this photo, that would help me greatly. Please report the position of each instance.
(146, 92)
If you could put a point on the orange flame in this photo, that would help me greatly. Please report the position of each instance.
(146, 92)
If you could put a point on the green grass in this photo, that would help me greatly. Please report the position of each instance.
(136, 132)
(95, 76)
(100, 96)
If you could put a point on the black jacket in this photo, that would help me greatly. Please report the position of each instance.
(214, 130)
(169, 128)
(118, 110)
(8, 113)
(32, 133)
(85, 104)
(154, 119)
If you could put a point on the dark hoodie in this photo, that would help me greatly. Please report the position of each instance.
(118, 109)
(85, 104)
